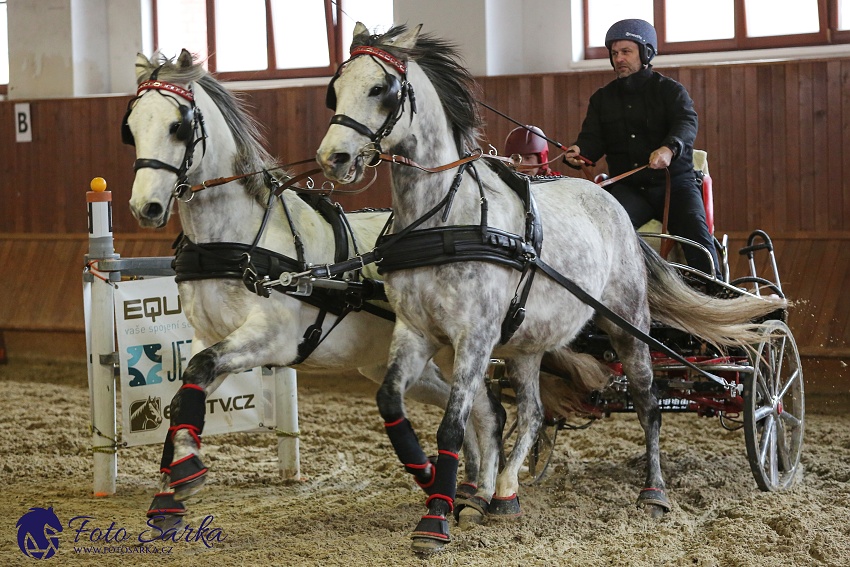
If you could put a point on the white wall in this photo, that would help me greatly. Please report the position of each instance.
(67, 48)
(460, 21)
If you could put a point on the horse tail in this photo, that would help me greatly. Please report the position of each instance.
(722, 322)
(567, 378)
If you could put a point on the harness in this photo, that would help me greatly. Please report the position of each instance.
(258, 267)
(411, 248)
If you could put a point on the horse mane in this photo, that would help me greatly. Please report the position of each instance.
(251, 155)
(442, 64)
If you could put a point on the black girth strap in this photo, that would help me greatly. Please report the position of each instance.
(193, 261)
(444, 245)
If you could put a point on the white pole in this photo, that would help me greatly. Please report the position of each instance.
(286, 416)
(102, 343)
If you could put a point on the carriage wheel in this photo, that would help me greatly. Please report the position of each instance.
(774, 410)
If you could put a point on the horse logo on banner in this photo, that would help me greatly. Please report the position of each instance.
(145, 414)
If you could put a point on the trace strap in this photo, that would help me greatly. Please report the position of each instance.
(600, 308)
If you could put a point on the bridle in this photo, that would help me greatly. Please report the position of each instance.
(191, 130)
(396, 93)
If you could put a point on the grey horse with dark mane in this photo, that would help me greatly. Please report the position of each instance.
(465, 300)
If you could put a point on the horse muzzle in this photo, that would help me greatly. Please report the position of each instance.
(341, 167)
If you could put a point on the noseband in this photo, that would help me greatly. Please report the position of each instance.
(397, 92)
(186, 132)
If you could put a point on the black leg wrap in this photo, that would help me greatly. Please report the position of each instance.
(505, 507)
(425, 475)
(445, 480)
(406, 446)
(167, 454)
(188, 407)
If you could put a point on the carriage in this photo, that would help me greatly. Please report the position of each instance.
(760, 391)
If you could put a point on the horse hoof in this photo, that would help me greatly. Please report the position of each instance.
(165, 512)
(505, 508)
(427, 546)
(431, 534)
(188, 475)
(471, 511)
(469, 518)
(654, 501)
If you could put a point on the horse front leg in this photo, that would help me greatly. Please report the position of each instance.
(408, 358)
(432, 532)
(524, 372)
(472, 501)
(182, 471)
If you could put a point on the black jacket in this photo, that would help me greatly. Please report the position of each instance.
(630, 118)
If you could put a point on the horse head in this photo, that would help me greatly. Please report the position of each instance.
(368, 94)
(165, 125)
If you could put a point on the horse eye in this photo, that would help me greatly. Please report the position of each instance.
(376, 90)
(173, 129)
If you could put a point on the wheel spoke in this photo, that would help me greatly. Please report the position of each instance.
(793, 422)
(789, 383)
(784, 457)
(762, 413)
(772, 460)
(766, 439)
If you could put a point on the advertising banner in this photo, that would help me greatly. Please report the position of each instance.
(154, 347)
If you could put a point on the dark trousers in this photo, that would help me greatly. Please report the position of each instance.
(686, 218)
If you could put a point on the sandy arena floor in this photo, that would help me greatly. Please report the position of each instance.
(356, 506)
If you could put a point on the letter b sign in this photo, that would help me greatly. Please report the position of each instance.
(23, 122)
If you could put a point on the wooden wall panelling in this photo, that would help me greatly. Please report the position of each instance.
(806, 147)
(832, 149)
(818, 152)
(844, 141)
(763, 193)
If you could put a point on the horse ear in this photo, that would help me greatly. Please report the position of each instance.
(185, 59)
(407, 40)
(360, 29)
(142, 67)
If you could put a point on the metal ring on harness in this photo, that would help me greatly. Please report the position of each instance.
(180, 190)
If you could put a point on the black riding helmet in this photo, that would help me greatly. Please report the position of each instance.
(638, 31)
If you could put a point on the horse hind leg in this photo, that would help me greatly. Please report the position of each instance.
(637, 365)
(524, 372)
(472, 500)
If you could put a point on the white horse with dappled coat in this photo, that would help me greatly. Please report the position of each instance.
(404, 96)
(188, 128)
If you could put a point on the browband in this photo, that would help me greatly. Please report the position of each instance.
(170, 87)
(397, 63)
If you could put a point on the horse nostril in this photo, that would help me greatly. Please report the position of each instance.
(152, 211)
(339, 158)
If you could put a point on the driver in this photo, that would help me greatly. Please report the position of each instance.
(643, 117)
